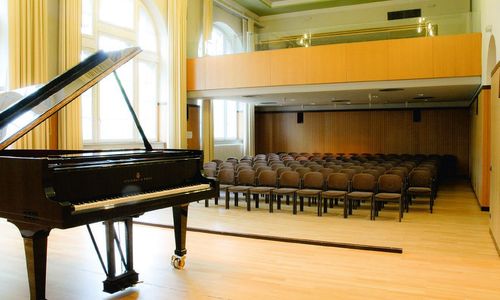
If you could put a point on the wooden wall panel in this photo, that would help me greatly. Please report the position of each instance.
(367, 61)
(288, 66)
(410, 58)
(441, 131)
(495, 158)
(468, 55)
(428, 57)
(326, 64)
(195, 74)
(254, 69)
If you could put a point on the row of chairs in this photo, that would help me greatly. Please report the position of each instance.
(350, 185)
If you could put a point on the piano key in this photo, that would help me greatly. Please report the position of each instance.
(114, 202)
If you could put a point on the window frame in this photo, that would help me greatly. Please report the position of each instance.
(90, 44)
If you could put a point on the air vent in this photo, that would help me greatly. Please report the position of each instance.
(404, 14)
(423, 97)
(268, 103)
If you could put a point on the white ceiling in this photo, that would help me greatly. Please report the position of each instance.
(422, 93)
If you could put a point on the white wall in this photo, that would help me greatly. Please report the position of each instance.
(367, 13)
(490, 26)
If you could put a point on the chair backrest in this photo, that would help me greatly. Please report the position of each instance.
(398, 172)
(217, 162)
(402, 169)
(267, 178)
(350, 172)
(246, 177)
(226, 176)
(315, 168)
(290, 179)
(390, 183)
(226, 165)
(374, 172)
(277, 166)
(313, 180)
(358, 169)
(279, 171)
(302, 171)
(210, 165)
(209, 172)
(260, 169)
(338, 181)
(363, 182)
(243, 167)
(420, 178)
(326, 172)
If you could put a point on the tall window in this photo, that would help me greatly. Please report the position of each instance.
(110, 25)
(228, 115)
(4, 67)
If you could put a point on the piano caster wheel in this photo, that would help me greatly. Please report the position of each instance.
(178, 262)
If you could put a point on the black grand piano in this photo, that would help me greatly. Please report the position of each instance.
(45, 189)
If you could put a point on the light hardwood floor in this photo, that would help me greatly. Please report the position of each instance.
(446, 255)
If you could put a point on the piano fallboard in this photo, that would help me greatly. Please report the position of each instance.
(62, 189)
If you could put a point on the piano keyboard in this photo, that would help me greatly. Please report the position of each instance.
(111, 203)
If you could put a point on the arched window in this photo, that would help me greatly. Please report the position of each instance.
(4, 67)
(111, 25)
(227, 114)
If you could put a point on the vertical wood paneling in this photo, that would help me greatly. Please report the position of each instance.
(495, 158)
(326, 64)
(410, 58)
(367, 61)
(288, 66)
(441, 131)
(195, 74)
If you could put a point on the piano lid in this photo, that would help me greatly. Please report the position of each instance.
(23, 113)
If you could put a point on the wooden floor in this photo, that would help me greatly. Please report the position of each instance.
(446, 255)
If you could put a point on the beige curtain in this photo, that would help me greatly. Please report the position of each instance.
(176, 27)
(28, 59)
(208, 130)
(208, 6)
(69, 118)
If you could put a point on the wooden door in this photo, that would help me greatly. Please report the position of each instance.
(193, 127)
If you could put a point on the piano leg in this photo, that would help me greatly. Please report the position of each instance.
(180, 213)
(35, 248)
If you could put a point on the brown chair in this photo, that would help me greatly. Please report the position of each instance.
(209, 172)
(390, 189)
(226, 179)
(210, 165)
(420, 185)
(337, 186)
(312, 186)
(363, 188)
(246, 179)
(289, 184)
(265, 184)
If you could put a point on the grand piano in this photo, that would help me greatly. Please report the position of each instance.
(45, 189)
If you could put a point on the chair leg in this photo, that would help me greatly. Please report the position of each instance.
(206, 202)
(400, 209)
(216, 200)
(325, 205)
(294, 199)
(271, 196)
(227, 199)
(320, 207)
(256, 198)
(301, 203)
(432, 202)
(247, 198)
(278, 202)
(235, 199)
(372, 209)
(345, 207)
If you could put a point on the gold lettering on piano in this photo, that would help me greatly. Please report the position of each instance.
(138, 178)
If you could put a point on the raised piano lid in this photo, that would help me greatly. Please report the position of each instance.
(23, 114)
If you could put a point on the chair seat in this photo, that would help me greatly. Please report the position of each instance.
(261, 189)
(421, 190)
(360, 195)
(388, 196)
(284, 191)
(308, 192)
(333, 194)
(225, 186)
(239, 188)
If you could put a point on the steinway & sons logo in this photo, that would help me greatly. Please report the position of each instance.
(138, 178)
